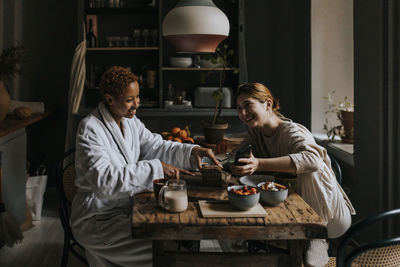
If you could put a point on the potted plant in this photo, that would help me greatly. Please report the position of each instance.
(344, 111)
(214, 129)
(11, 60)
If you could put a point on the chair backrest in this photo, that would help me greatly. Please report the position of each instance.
(336, 169)
(66, 188)
(382, 252)
(68, 179)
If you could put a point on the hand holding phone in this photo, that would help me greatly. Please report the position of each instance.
(242, 153)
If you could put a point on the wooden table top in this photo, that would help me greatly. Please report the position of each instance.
(12, 124)
(292, 219)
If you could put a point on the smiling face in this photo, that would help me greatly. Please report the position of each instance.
(253, 112)
(126, 104)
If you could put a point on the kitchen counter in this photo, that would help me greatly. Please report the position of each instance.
(337, 148)
(13, 146)
(12, 124)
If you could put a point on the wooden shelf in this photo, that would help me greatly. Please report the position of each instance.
(123, 10)
(165, 112)
(122, 48)
(195, 69)
(193, 112)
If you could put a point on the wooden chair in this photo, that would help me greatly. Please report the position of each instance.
(255, 246)
(336, 169)
(384, 252)
(66, 189)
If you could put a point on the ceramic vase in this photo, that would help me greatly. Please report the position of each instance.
(4, 101)
(214, 133)
(347, 118)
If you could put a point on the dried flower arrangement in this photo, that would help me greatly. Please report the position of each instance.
(346, 128)
(11, 60)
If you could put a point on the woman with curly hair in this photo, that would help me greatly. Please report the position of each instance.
(117, 157)
(281, 145)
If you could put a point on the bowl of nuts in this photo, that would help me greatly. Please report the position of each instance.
(272, 193)
(243, 197)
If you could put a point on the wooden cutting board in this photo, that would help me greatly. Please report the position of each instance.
(218, 209)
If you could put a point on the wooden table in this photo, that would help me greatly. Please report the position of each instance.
(293, 220)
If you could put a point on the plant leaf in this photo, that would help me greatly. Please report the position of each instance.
(217, 95)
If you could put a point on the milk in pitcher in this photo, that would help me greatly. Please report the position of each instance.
(177, 200)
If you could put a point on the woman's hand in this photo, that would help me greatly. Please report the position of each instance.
(172, 172)
(251, 165)
(199, 152)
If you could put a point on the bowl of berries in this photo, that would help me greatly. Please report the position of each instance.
(243, 197)
(272, 193)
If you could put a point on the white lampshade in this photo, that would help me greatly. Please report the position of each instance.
(195, 26)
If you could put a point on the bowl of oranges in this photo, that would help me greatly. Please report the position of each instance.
(178, 134)
(243, 197)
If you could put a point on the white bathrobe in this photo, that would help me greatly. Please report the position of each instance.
(111, 168)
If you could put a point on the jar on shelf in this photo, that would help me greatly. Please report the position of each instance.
(153, 37)
(124, 41)
(117, 41)
(145, 36)
(109, 41)
(98, 3)
(136, 37)
(151, 78)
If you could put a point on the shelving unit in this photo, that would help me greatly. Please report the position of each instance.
(121, 48)
(137, 14)
(196, 69)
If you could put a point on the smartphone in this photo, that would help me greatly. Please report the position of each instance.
(242, 153)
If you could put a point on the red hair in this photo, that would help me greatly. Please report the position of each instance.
(260, 92)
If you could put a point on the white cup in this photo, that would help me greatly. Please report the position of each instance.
(173, 196)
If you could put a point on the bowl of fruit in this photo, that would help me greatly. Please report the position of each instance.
(243, 197)
(178, 135)
(272, 193)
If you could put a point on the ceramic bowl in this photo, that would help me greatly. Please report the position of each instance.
(181, 62)
(255, 179)
(242, 202)
(272, 198)
(207, 63)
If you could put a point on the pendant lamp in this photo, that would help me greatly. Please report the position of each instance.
(195, 26)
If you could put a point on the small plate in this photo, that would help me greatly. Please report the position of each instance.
(253, 180)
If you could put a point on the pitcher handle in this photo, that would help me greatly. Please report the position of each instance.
(161, 200)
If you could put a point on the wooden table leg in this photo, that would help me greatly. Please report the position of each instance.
(296, 251)
(158, 253)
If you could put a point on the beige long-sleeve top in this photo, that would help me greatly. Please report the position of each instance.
(317, 183)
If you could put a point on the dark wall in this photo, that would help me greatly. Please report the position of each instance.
(377, 112)
(278, 46)
(49, 37)
(277, 50)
